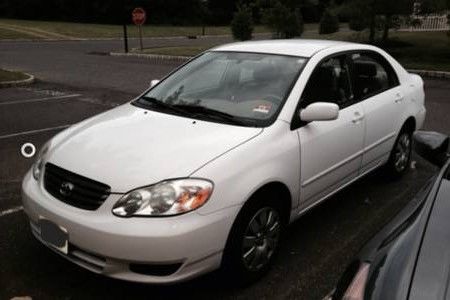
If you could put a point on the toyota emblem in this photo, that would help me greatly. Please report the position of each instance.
(66, 189)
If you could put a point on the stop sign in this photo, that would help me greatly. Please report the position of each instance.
(139, 16)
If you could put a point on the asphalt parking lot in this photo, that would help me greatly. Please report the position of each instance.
(314, 253)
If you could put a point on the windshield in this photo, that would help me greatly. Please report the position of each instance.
(231, 87)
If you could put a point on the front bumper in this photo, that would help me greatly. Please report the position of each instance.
(106, 244)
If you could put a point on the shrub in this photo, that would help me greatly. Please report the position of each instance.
(416, 23)
(242, 24)
(286, 23)
(448, 22)
(329, 23)
(357, 23)
(294, 26)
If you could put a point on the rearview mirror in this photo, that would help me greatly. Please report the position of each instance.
(433, 146)
(154, 82)
(320, 111)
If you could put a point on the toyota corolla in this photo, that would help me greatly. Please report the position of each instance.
(206, 168)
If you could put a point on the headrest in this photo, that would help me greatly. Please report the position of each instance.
(324, 76)
(324, 84)
(365, 68)
(265, 72)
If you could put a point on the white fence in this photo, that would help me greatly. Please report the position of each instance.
(434, 22)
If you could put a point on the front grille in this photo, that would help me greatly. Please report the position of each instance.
(74, 189)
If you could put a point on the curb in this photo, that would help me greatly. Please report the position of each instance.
(154, 57)
(31, 79)
(181, 59)
(431, 74)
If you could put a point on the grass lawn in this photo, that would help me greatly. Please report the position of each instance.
(414, 50)
(11, 34)
(176, 51)
(423, 50)
(83, 30)
(11, 76)
(310, 32)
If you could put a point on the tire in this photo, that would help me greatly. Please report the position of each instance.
(400, 157)
(240, 262)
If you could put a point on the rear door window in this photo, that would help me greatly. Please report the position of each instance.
(372, 74)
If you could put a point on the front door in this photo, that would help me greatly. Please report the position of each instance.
(331, 151)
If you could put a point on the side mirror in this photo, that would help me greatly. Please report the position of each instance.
(433, 146)
(154, 82)
(320, 111)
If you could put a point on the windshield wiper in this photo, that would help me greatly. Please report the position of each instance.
(194, 111)
(162, 105)
(198, 110)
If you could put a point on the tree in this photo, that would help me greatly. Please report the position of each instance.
(357, 23)
(242, 23)
(433, 6)
(379, 14)
(389, 10)
(221, 10)
(285, 22)
(355, 13)
(329, 23)
(448, 22)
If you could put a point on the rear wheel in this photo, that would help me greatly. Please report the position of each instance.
(253, 241)
(400, 158)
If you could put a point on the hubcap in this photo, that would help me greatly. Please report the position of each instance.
(402, 152)
(261, 238)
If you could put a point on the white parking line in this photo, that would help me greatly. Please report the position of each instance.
(33, 131)
(11, 211)
(39, 99)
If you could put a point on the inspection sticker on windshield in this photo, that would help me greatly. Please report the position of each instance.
(263, 108)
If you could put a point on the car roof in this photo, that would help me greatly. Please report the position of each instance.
(294, 47)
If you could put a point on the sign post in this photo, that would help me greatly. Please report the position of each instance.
(139, 17)
(124, 15)
(125, 37)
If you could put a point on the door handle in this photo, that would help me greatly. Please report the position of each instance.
(398, 98)
(358, 117)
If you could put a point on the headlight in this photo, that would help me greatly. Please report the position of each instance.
(39, 163)
(166, 198)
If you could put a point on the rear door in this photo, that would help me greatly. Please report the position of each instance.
(376, 87)
(331, 151)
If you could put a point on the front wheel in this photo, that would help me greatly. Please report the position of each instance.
(253, 242)
(400, 157)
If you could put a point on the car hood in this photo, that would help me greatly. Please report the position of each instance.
(129, 147)
(432, 274)
(400, 268)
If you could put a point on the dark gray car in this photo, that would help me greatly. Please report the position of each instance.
(410, 257)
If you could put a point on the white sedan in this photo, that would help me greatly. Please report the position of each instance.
(207, 167)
